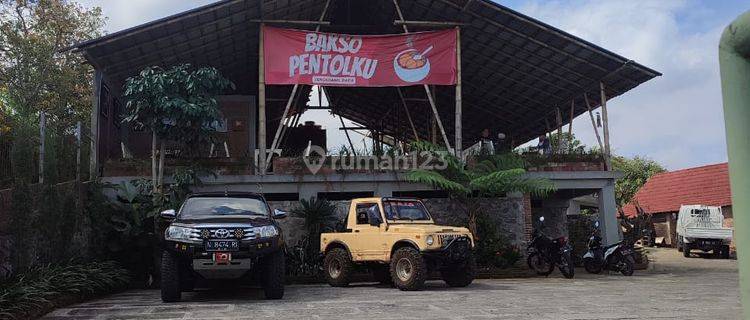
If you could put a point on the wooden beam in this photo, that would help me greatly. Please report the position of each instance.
(274, 143)
(428, 23)
(593, 123)
(408, 115)
(607, 147)
(437, 117)
(299, 22)
(261, 106)
(426, 88)
(348, 138)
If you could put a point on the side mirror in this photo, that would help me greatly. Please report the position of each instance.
(168, 214)
(279, 214)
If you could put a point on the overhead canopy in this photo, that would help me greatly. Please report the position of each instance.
(516, 70)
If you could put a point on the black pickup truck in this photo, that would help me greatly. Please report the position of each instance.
(227, 235)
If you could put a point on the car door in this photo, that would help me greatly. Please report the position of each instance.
(368, 243)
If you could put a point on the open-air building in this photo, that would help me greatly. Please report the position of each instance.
(516, 75)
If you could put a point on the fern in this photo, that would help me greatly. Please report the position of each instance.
(436, 179)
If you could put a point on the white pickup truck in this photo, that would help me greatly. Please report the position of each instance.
(702, 227)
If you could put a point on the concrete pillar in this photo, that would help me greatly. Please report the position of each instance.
(608, 214)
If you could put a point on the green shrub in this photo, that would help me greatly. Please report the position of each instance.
(39, 289)
(492, 248)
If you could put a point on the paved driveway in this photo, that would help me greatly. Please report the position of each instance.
(676, 288)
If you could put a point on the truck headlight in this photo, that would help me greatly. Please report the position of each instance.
(266, 231)
(429, 240)
(177, 233)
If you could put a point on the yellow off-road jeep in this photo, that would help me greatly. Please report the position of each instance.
(399, 242)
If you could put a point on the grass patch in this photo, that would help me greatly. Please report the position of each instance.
(40, 289)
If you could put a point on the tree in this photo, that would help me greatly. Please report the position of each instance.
(178, 104)
(492, 176)
(37, 76)
(636, 172)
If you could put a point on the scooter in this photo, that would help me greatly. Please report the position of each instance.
(543, 254)
(616, 257)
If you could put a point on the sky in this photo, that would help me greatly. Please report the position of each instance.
(675, 119)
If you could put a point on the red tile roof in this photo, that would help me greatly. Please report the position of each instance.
(666, 192)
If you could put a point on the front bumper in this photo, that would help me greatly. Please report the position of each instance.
(458, 249)
(248, 249)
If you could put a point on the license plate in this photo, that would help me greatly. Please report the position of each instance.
(222, 245)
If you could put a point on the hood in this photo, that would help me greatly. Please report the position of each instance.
(224, 222)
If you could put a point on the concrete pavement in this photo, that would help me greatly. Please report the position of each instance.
(675, 288)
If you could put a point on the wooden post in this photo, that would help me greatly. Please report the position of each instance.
(261, 106)
(607, 147)
(408, 115)
(78, 151)
(593, 123)
(458, 124)
(42, 138)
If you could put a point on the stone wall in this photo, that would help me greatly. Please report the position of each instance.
(507, 213)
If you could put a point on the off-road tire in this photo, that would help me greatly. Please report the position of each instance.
(461, 274)
(417, 269)
(629, 266)
(725, 252)
(381, 274)
(686, 250)
(170, 278)
(338, 257)
(591, 266)
(566, 266)
(273, 275)
(533, 267)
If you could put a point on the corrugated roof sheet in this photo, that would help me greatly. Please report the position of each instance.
(666, 192)
(516, 70)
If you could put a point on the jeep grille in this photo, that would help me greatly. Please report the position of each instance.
(446, 238)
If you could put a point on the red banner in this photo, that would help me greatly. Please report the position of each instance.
(307, 57)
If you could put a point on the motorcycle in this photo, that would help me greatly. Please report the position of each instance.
(616, 257)
(543, 254)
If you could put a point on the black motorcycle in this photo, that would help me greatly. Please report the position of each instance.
(543, 254)
(616, 257)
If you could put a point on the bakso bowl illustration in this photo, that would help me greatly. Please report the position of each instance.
(411, 66)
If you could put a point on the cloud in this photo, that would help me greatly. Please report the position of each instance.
(676, 119)
(123, 14)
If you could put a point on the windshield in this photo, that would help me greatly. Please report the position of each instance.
(411, 210)
(196, 208)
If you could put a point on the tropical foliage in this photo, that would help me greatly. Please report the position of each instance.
(636, 171)
(491, 176)
(319, 217)
(177, 104)
(40, 289)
